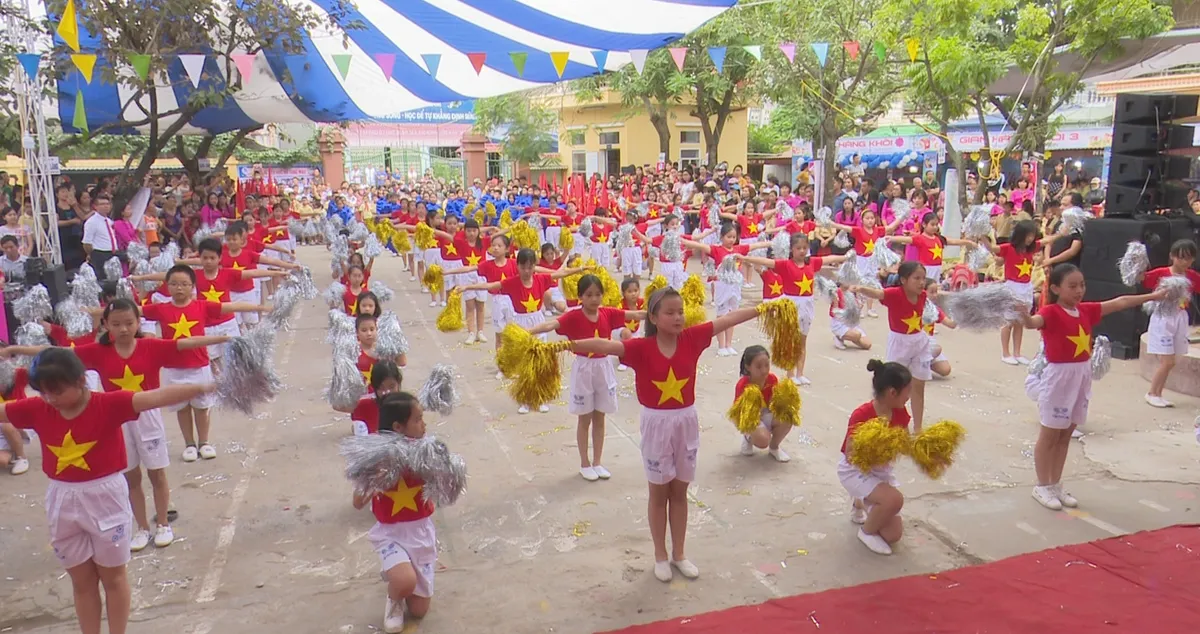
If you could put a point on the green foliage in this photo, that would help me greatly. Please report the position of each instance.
(525, 125)
(765, 139)
(249, 152)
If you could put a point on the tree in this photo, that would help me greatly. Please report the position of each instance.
(717, 94)
(653, 91)
(524, 124)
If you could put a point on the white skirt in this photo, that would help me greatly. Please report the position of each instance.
(911, 351)
(840, 329)
(726, 296)
(553, 234)
(502, 311)
(1021, 290)
(472, 278)
(806, 309)
(860, 485)
(529, 320)
(866, 266)
(227, 329)
(1065, 392)
(933, 272)
(593, 386)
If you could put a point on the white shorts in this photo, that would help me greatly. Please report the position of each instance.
(432, 256)
(4, 441)
(250, 297)
(860, 485)
(1066, 389)
(601, 253)
(529, 320)
(146, 442)
(750, 240)
(472, 278)
(806, 310)
(711, 239)
(149, 327)
(726, 296)
(1033, 387)
(675, 273)
(933, 272)
(556, 295)
(227, 329)
(631, 261)
(593, 386)
(765, 421)
(407, 542)
(867, 269)
(190, 376)
(92, 378)
(670, 444)
(911, 351)
(840, 329)
(553, 234)
(502, 310)
(1168, 335)
(941, 351)
(90, 520)
(1021, 290)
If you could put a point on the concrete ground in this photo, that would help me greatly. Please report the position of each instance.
(268, 540)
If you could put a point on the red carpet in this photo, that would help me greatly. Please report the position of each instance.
(1145, 583)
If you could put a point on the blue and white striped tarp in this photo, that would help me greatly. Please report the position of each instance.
(411, 30)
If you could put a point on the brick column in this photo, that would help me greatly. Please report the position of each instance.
(330, 143)
(474, 153)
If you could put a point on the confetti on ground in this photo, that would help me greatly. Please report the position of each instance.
(535, 450)
(581, 528)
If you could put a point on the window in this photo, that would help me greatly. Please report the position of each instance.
(689, 158)
(578, 162)
(575, 137)
(689, 137)
(610, 138)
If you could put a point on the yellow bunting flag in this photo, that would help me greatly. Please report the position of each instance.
(86, 63)
(913, 45)
(560, 61)
(80, 118)
(68, 26)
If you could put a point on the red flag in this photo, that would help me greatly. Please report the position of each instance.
(627, 190)
(851, 48)
(239, 199)
(271, 190)
(542, 181)
(568, 184)
(604, 197)
(554, 182)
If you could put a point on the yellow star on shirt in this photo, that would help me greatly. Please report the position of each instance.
(268, 239)
(403, 497)
(936, 251)
(776, 288)
(451, 249)
(531, 304)
(129, 382)
(473, 260)
(805, 285)
(503, 277)
(869, 247)
(71, 454)
(237, 266)
(367, 373)
(670, 389)
(1025, 269)
(631, 325)
(212, 294)
(1082, 341)
(183, 327)
(752, 227)
(913, 323)
(553, 222)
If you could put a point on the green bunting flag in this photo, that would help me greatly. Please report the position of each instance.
(342, 61)
(518, 59)
(141, 65)
(881, 51)
(80, 118)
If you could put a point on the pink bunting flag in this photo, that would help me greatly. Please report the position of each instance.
(789, 51)
(679, 54)
(386, 61)
(245, 63)
(851, 48)
(477, 61)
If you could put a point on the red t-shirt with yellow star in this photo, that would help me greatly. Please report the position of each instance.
(865, 412)
(527, 300)
(85, 448)
(138, 373)
(772, 284)
(245, 260)
(929, 249)
(750, 225)
(719, 252)
(864, 241)
(1018, 267)
(58, 336)
(471, 255)
(365, 364)
(798, 280)
(632, 325)
(495, 273)
(904, 317)
(600, 232)
(350, 301)
(448, 249)
(1154, 276)
(217, 289)
(178, 322)
(367, 411)
(664, 383)
(574, 325)
(1067, 337)
(405, 503)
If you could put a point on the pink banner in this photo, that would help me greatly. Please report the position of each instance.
(402, 134)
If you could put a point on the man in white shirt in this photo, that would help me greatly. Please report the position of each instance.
(12, 263)
(856, 168)
(99, 241)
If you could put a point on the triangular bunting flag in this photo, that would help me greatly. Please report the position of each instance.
(141, 65)
(638, 56)
(68, 26)
(432, 61)
(193, 65)
(789, 51)
(386, 61)
(30, 62)
(518, 59)
(477, 61)
(679, 54)
(245, 64)
(851, 48)
(560, 61)
(601, 58)
(85, 62)
(822, 51)
(754, 50)
(80, 118)
(881, 51)
(913, 45)
(717, 55)
(342, 61)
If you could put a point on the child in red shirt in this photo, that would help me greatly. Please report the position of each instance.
(386, 378)
(755, 369)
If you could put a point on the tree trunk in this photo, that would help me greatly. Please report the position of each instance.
(658, 118)
(829, 134)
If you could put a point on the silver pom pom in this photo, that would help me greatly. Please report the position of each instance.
(334, 295)
(823, 217)
(671, 247)
(985, 307)
(781, 246)
(73, 318)
(373, 248)
(929, 315)
(32, 334)
(978, 223)
(851, 313)
(847, 273)
(302, 279)
(1101, 357)
(8, 375)
(203, 233)
(311, 229)
(826, 288)
(287, 297)
(137, 251)
(381, 291)
(709, 269)
(624, 236)
(248, 371)
(841, 240)
(163, 262)
(1038, 364)
(346, 384)
(295, 228)
(885, 258)
(784, 211)
(341, 328)
(125, 290)
(377, 462)
(1073, 219)
(728, 272)
(714, 215)
(1178, 290)
(358, 231)
(438, 394)
(977, 258)
(585, 228)
(901, 208)
(34, 306)
(390, 341)
(1134, 264)
(85, 288)
(330, 230)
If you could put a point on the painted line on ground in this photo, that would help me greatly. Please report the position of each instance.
(1028, 528)
(1150, 504)
(1098, 523)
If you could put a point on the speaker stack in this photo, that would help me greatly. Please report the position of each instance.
(1146, 201)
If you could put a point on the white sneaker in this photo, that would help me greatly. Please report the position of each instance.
(164, 536)
(662, 571)
(589, 474)
(732, 351)
(877, 544)
(19, 466)
(858, 515)
(207, 452)
(190, 454)
(1067, 499)
(1158, 401)
(522, 410)
(470, 339)
(393, 617)
(747, 446)
(686, 568)
(602, 472)
(1010, 360)
(1076, 433)
(721, 352)
(412, 278)
(442, 303)
(433, 304)
(480, 338)
(838, 343)
(542, 409)
(499, 376)
(139, 541)
(803, 380)
(1046, 497)
(779, 454)
(622, 367)
(872, 314)
(1022, 361)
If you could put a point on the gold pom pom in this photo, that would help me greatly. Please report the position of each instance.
(400, 241)
(612, 289)
(433, 279)
(657, 284)
(785, 403)
(539, 378)
(478, 217)
(524, 236)
(514, 349)
(693, 291)
(489, 211)
(933, 449)
(746, 412)
(875, 444)
(451, 317)
(781, 323)
(425, 239)
(693, 314)
(566, 240)
(570, 286)
(505, 217)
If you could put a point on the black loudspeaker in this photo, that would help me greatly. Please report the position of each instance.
(53, 278)
(1154, 109)
(1150, 139)
(1125, 168)
(1123, 328)
(1105, 240)
(1143, 177)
